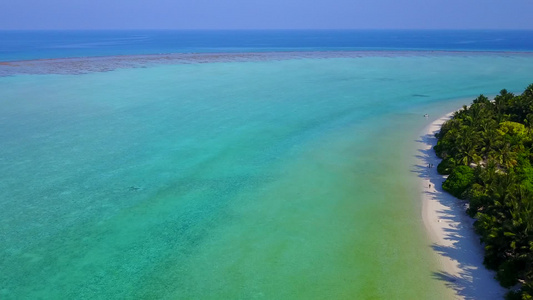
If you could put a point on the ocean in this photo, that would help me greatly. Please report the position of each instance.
(23, 45)
(273, 178)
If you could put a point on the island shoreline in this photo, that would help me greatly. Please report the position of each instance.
(449, 229)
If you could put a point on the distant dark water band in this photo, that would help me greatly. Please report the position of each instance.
(84, 65)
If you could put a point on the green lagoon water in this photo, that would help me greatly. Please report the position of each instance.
(289, 179)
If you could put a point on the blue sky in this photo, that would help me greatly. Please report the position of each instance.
(266, 14)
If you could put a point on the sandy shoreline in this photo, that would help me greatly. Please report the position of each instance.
(450, 229)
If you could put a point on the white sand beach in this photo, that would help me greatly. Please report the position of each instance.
(450, 229)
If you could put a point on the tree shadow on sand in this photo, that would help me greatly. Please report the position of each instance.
(460, 243)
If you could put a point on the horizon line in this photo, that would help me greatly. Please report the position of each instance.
(270, 29)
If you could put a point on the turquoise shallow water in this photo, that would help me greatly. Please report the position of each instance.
(273, 179)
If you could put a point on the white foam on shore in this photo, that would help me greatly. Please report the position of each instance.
(450, 229)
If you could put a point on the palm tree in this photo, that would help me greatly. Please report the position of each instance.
(466, 146)
(506, 156)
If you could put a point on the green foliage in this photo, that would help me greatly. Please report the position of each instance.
(507, 273)
(487, 150)
(519, 295)
(446, 166)
(512, 128)
(478, 198)
(461, 178)
(513, 295)
(527, 290)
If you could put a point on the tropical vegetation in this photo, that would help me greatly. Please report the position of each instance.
(487, 151)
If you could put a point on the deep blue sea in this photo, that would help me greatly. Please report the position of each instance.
(23, 45)
(209, 178)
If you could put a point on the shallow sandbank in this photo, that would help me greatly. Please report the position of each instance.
(83, 65)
